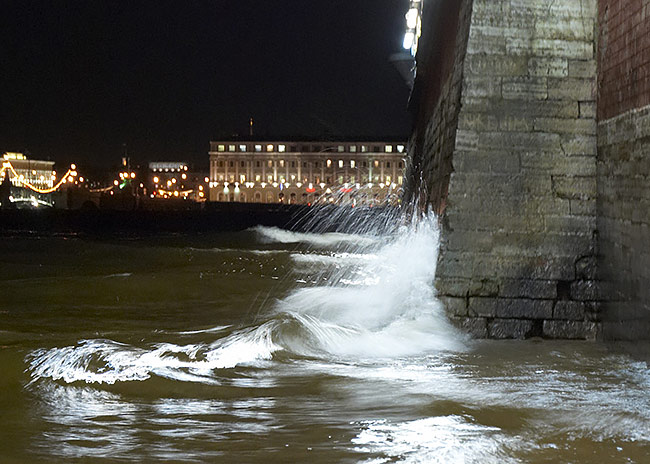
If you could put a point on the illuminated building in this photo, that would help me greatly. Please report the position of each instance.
(174, 179)
(305, 172)
(35, 172)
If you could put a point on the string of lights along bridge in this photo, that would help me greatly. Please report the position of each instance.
(40, 179)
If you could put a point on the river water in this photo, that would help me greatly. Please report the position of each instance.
(276, 346)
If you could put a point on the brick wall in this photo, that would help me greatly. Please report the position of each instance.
(624, 56)
(624, 166)
(508, 157)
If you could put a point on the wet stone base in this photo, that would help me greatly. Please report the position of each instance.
(500, 328)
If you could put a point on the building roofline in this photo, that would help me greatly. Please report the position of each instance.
(304, 139)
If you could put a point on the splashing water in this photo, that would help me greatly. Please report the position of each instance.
(382, 305)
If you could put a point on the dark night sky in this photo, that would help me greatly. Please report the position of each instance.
(80, 78)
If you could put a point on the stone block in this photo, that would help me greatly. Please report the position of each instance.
(523, 308)
(586, 268)
(530, 141)
(519, 44)
(548, 66)
(495, 65)
(582, 188)
(576, 144)
(582, 68)
(558, 164)
(573, 330)
(462, 288)
(475, 86)
(477, 122)
(571, 89)
(509, 328)
(527, 288)
(587, 110)
(570, 310)
(476, 327)
(585, 290)
(566, 126)
(525, 88)
(454, 306)
(482, 307)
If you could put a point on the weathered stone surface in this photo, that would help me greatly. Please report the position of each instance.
(508, 152)
(523, 308)
(474, 326)
(623, 226)
(482, 307)
(584, 290)
(509, 328)
(526, 288)
(571, 310)
(454, 306)
(578, 330)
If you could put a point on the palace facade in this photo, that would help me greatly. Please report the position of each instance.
(306, 172)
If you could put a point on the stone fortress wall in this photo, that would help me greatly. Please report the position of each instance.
(512, 150)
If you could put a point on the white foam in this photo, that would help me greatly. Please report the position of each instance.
(108, 362)
(442, 439)
(276, 235)
(387, 304)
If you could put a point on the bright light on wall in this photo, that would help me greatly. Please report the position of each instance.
(413, 26)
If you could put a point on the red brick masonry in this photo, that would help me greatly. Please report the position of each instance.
(623, 56)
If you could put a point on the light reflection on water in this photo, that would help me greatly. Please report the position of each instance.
(346, 357)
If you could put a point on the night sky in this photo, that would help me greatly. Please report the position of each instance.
(79, 79)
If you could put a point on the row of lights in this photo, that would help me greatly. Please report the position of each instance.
(299, 185)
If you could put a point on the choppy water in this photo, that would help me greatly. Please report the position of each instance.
(274, 346)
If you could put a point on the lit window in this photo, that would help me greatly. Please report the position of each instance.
(400, 148)
(364, 148)
(242, 178)
(270, 163)
(281, 163)
(353, 148)
(341, 148)
(387, 179)
(340, 163)
(376, 163)
(353, 164)
(282, 148)
(258, 178)
(231, 148)
(388, 149)
(258, 147)
(400, 179)
(242, 148)
(221, 148)
(269, 147)
(329, 163)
